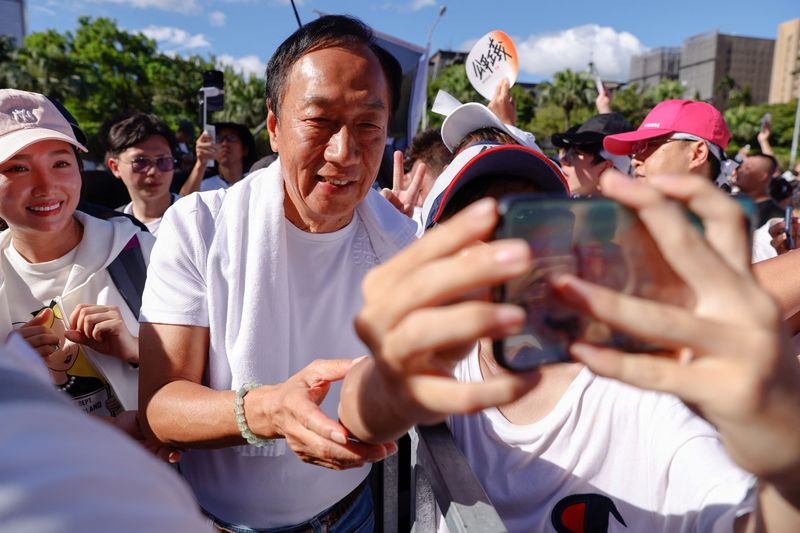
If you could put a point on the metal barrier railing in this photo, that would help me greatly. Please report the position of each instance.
(440, 478)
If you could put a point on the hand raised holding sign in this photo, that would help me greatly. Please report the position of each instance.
(492, 60)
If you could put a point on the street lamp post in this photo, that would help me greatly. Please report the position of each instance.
(442, 9)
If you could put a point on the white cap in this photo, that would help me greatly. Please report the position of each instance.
(472, 116)
(27, 118)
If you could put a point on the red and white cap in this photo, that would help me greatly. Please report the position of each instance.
(499, 160)
(27, 118)
(674, 116)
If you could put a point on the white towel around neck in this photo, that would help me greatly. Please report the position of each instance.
(249, 250)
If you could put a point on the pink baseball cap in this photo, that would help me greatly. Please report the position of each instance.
(27, 118)
(674, 116)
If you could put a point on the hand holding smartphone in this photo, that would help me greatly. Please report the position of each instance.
(597, 240)
(212, 98)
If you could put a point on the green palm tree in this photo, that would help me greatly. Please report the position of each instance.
(244, 99)
(568, 90)
(665, 90)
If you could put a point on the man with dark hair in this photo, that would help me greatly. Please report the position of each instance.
(140, 152)
(753, 179)
(252, 284)
(426, 149)
(676, 137)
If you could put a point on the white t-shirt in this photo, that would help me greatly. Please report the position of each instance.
(607, 453)
(762, 242)
(153, 225)
(213, 183)
(98, 383)
(325, 274)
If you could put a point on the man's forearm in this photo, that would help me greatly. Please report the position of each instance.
(188, 415)
(778, 276)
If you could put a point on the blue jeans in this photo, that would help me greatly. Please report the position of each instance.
(359, 518)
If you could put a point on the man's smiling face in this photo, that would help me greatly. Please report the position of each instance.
(330, 134)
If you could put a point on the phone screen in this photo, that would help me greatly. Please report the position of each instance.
(597, 240)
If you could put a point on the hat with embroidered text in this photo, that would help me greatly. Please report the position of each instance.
(27, 118)
(674, 116)
(491, 160)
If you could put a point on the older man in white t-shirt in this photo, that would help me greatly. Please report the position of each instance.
(253, 291)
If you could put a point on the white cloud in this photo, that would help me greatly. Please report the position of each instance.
(216, 18)
(179, 6)
(248, 65)
(42, 10)
(543, 55)
(416, 5)
(175, 39)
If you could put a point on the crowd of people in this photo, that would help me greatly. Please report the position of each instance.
(272, 328)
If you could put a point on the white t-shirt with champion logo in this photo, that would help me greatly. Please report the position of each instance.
(608, 457)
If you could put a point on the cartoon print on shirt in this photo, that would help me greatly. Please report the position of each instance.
(87, 388)
(584, 513)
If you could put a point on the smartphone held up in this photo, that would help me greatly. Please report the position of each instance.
(597, 240)
(211, 98)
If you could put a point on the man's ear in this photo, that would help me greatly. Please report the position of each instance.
(699, 155)
(272, 124)
(113, 166)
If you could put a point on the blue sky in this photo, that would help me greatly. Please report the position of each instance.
(550, 36)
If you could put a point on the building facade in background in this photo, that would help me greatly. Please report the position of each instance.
(709, 58)
(649, 68)
(442, 59)
(785, 83)
(12, 19)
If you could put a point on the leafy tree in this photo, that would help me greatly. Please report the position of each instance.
(629, 101)
(744, 123)
(244, 100)
(740, 97)
(102, 71)
(666, 89)
(113, 65)
(454, 81)
(570, 90)
(175, 81)
(723, 89)
(43, 65)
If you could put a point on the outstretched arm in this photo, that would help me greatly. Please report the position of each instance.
(420, 317)
(182, 412)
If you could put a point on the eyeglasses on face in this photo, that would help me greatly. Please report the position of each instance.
(640, 148)
(143, 164)
(231, 138)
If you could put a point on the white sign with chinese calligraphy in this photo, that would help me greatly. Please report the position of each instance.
(493, 58)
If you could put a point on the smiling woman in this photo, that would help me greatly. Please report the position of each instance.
(55, 290)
